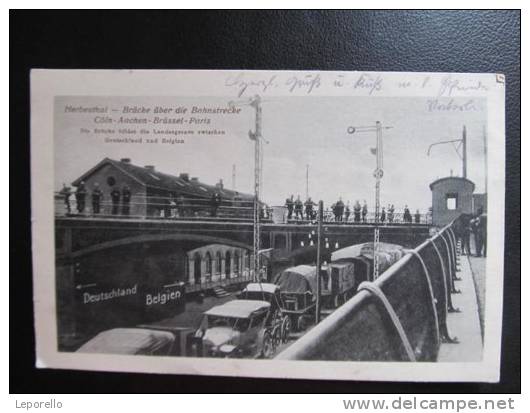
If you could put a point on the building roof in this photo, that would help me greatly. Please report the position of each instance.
(159, 180)
(366, 249)
(259, 287)
(238, 308)
(127, 341)
(451, 178)
(297, 279)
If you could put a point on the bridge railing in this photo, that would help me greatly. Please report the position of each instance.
(158, 207)
(369, 218)
(161, 207)
(401, 316)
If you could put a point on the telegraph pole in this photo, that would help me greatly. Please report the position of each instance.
(319, 259)
(378, 175)
(257, 137)
(307, 181)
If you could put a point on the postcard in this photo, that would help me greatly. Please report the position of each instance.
(287, 224)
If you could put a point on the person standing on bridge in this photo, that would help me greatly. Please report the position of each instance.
(407, 217)
(96, 199)
(309, 209)
(289, 203)
(298, 208)
(126, 200)
(391, 213)
(383, 215)
(479, 225)
(65, 192)
(357, 212)
(215, 203)
(365, 210)
(115, 196)
(80, 196)
(417, 216)
(347, 212)
(340, 210)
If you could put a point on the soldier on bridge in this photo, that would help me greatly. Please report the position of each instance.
(96, 199)
(289, 203)
(215, 203)
(80, 196)
(65, 192)
(407, 217)
(365, 210)
(115, 196)
(126, 200)
(298, 208)
(309, 209)
(357, 212)
(347, 212)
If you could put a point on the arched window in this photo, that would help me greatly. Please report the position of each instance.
(197, 268)
(218, 260)
(236, 263)
(247, 260)
(208, 266)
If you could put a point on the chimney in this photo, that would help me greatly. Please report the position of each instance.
(185, 176)
(150, 167)
(125, 160)
(195, 179)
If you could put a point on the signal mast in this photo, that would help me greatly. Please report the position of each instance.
(378, 175)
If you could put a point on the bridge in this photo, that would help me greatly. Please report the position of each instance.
(79, 238)
(100, 253)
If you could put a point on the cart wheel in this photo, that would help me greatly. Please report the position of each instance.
(286, 329)
(267, 350)
(276, 337)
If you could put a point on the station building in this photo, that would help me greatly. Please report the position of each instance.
(153, 193)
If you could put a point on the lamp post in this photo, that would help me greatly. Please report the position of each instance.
(378, 175)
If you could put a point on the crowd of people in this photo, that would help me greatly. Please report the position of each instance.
(341, 212)
(171, 206)
(121, 199)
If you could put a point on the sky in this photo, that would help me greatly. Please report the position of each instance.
(300, 131)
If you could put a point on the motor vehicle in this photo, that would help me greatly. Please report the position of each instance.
(137, 341)
(362, 256)
(237, 328)
(338, 282)
(298, 292)
(280, 322)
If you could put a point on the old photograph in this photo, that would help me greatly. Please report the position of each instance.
(255, 223)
